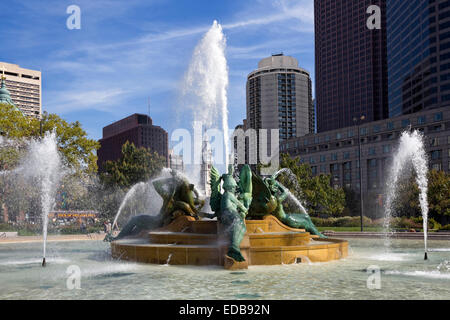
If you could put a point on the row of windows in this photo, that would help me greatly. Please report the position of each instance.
(280, 74)
(346, 155)
(432, 142)
(375, 129)
(434, 155)
(372, 172)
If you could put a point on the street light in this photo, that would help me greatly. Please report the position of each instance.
(357, 123)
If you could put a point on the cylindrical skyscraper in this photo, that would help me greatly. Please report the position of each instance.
(279, 96)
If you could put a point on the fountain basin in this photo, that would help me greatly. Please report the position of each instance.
(189, 242)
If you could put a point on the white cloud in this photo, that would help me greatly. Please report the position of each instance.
(79, 99)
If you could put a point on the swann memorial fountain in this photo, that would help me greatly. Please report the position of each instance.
(248, 226)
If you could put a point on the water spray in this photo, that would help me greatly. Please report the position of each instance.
(206, 83)
(411, 152)
(43, 166)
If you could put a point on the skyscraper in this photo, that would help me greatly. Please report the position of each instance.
(279, 96)
(418, 51)
(25, 88)
(351, 66)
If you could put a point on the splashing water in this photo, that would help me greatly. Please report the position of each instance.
(207, 82)
(444, 267)
(410, 151)
(146, 189)
(296, 201)
(130, 194)
(291, 196)
(43, 166)
(168, 259)
(140, 188)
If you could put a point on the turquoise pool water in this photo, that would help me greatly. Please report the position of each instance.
(403, 275)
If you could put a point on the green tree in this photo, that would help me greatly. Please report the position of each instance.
(439, 194)
(352, 202)
(315, 191)
(9, 157)
(135, 165)
(77, 148)
(13, 124)
(407, 200)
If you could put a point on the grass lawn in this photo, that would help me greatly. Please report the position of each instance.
(372, 229)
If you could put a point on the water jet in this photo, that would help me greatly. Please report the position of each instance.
(410, 154)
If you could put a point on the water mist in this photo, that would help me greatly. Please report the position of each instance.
(42, 166)
(206, 82)
(410, 152)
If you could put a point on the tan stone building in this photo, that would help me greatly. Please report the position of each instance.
(25, 88)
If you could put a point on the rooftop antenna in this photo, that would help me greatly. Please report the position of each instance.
(148, 109)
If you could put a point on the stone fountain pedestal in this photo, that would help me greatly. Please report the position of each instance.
(187, 241)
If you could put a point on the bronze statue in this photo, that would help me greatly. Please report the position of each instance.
(269, 196)
(179, 198)
(232, 205)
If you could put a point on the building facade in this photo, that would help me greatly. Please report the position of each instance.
(336, 152)
(350, 63)
(137, 129)
(418, 50)
(205, 167)
(175, 161)
(279, 96)
(25, 87)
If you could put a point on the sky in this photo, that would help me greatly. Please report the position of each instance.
(128, 52)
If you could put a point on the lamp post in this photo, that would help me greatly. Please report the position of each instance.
(355, 120)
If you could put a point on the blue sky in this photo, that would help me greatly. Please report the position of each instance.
(127, 51)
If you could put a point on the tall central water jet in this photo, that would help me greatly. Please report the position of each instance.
(410, 152)
(206, 81)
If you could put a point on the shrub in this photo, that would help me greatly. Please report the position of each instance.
(341, 222)
(434, 224)
(6, 227)
(405, 223)
(75, 229)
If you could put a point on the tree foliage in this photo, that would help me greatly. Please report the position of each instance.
(407, 200)
(13, 124)
(315, 191)
(352, 202)
(77, 148)
(439, 193)
(135, 165)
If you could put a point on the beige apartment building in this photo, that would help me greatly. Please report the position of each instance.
(25, 88)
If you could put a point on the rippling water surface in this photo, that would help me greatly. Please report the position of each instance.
(404, 275)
